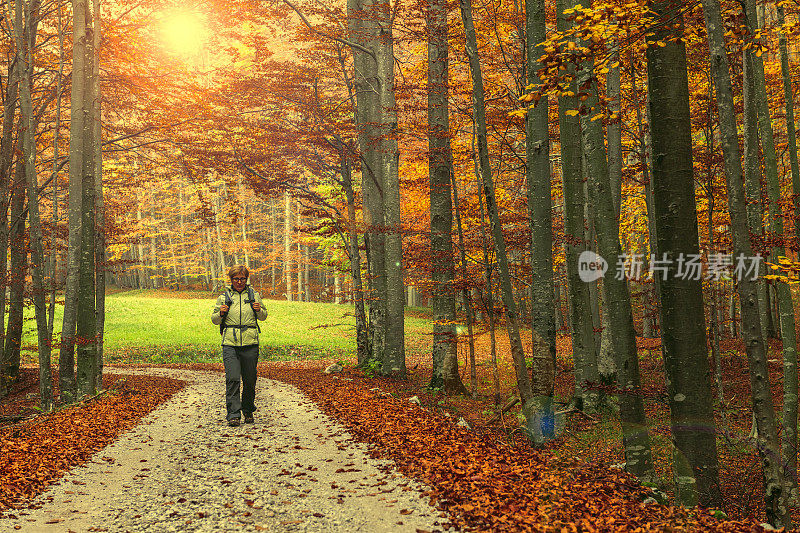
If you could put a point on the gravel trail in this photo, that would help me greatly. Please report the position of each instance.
(183, 469)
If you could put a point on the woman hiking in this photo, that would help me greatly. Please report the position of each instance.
(237, 312)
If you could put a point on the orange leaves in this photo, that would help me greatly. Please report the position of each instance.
(38, 451)
(486, 480)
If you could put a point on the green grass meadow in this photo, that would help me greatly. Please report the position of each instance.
(159, 327)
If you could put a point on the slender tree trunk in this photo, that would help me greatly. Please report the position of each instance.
(287, 245)
(487, 276)
(479, 116)
(791, 131)
(465, 292)
(540, 212)
(394, 357)
(19, 260)
(622, 337)
(362, 28)
(25, 24)
(784, 297)
(584, 352)
(86, 326)
(52, 267)
(614, 127)
(6, 155)
(695, 463)
(362, 334)
(99, 203)
(775, 498)
(76, 168)
(445, 361)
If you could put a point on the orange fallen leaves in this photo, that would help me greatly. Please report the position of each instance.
(38, 451)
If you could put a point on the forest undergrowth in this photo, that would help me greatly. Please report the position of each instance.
(476, 475)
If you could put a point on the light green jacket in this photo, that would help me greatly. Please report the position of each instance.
(239, 314)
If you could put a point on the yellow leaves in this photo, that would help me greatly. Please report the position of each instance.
(518, 112)
(572, 113)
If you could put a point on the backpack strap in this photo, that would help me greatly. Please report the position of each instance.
(228, 302)
(252, 299)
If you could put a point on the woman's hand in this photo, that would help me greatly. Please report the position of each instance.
(223, 309)
(256, 307)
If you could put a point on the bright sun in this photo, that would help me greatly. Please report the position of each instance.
(184, 32)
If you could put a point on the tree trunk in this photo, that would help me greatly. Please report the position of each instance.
(479, 116)
(465, 292)
(540, 212)
(287, 245)
(99, 203)
(86, 326)
(785, 305)
(445, 361)
(76, 170)
(16, 275)
(25, 24)
(584, 353)
(362, 334)
(695, 463)
(622, 337)
(394, 357)
(791, 132)
(6, 156)
(363, 31)
(775, 498)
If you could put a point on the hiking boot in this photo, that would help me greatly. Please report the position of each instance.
(248, 418)
(233, 422)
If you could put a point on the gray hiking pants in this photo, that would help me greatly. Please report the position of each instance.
(240, 366)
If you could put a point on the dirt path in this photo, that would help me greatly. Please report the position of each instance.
(183, 469)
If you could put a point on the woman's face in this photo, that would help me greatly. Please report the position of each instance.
(238, 282)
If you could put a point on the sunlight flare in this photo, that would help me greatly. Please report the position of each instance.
(184, 32)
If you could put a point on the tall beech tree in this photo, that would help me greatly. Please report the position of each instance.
(786, 317)
(26, 21)
(775, 499)
(622, 336)
(537, 174)
(584, 353)
(479, 113)
(695, 463)
(445, 362)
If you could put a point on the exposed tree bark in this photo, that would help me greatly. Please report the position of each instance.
(622, 337)
(695, 463)
(77, 154)
(775, 498)
(445, 361)
(6, 158)
(287, 243)
(25, 25)
(52, 266)
(584, 353)
(465, 292)
(614, 127)
(791, 131)
(540, 212)
(479, 116)
(99, 202)
(784, 296)
(362, 334)
(16, 276)
(394, 357)
(363, 31)
(86, 326)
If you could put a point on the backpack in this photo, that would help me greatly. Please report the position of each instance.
(251, 299)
